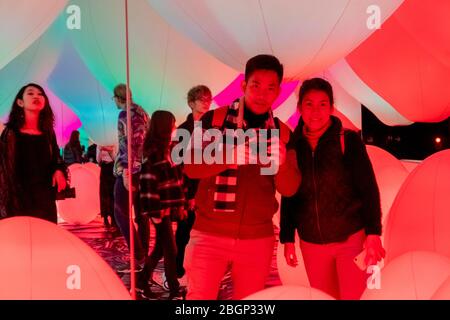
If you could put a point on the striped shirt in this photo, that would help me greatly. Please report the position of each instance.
(161, 188)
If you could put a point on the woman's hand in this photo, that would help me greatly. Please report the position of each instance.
(289, 254)
(374, 250)
(191, 204)
(59, 180)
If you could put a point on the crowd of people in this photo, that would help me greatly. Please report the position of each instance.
(223, 210)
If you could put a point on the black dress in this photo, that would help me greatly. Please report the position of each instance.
(35, 165)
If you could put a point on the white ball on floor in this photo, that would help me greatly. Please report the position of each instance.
(443, 293)
(390, 174)
(95, 168)
(289, 293)
(42, 261)
(419, 217)
(415, 275)
(86, 205)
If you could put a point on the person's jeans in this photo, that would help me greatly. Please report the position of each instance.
(182, 236)
(331, 267)
(207, 259)
(164, 247)
(121, 215)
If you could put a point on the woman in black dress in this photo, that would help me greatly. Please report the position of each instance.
(31, 168)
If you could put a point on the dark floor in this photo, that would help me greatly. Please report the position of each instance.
(111, 246)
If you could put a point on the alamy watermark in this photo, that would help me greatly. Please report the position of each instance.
(232, 147)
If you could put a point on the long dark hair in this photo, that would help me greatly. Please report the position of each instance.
(158, 138)
(74, 141)
(16, 119)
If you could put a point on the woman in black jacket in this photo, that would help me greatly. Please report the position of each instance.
(336, 210)
(31, 168)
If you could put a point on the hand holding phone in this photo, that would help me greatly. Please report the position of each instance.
(360, 261)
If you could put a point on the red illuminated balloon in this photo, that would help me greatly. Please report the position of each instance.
(289, 293)
(43, 261)
(415, 275)
(419, 218)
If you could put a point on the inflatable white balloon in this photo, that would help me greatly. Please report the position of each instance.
(416, 275)
(289, 275)
(86, 206)
(410, 165)
(407, 61)
(94, 168)
(289, 293)
(390, 175)
(325, 31)
(34, 64)
(65, 119)
(164, 64)
(42, 261)
(419, 218)
(22, 22)
(443, 293)
(346, 78)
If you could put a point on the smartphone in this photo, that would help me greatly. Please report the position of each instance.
(359, 261)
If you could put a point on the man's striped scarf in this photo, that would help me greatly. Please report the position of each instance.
(226, 181)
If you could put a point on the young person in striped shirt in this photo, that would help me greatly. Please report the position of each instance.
(162, 200)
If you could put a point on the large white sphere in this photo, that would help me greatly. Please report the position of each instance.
(416, 275)
(289, 293)
(42, 261)
(419, 218)
(86, 206)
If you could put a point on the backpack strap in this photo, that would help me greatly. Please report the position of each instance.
(219, 115)
(285, 132)
(342, 139)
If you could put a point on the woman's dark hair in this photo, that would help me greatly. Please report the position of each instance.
(264, 62)
(16, 118)
(74, 141)
(315, 84)
(158, 138)
(197, 92)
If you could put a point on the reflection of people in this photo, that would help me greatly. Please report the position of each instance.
(73, 152)
(122, 170)
(30, 163)
(336, 210)
(105, 158)
(236, 204)
(199, 100)
(161, 188)
(91, 154)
